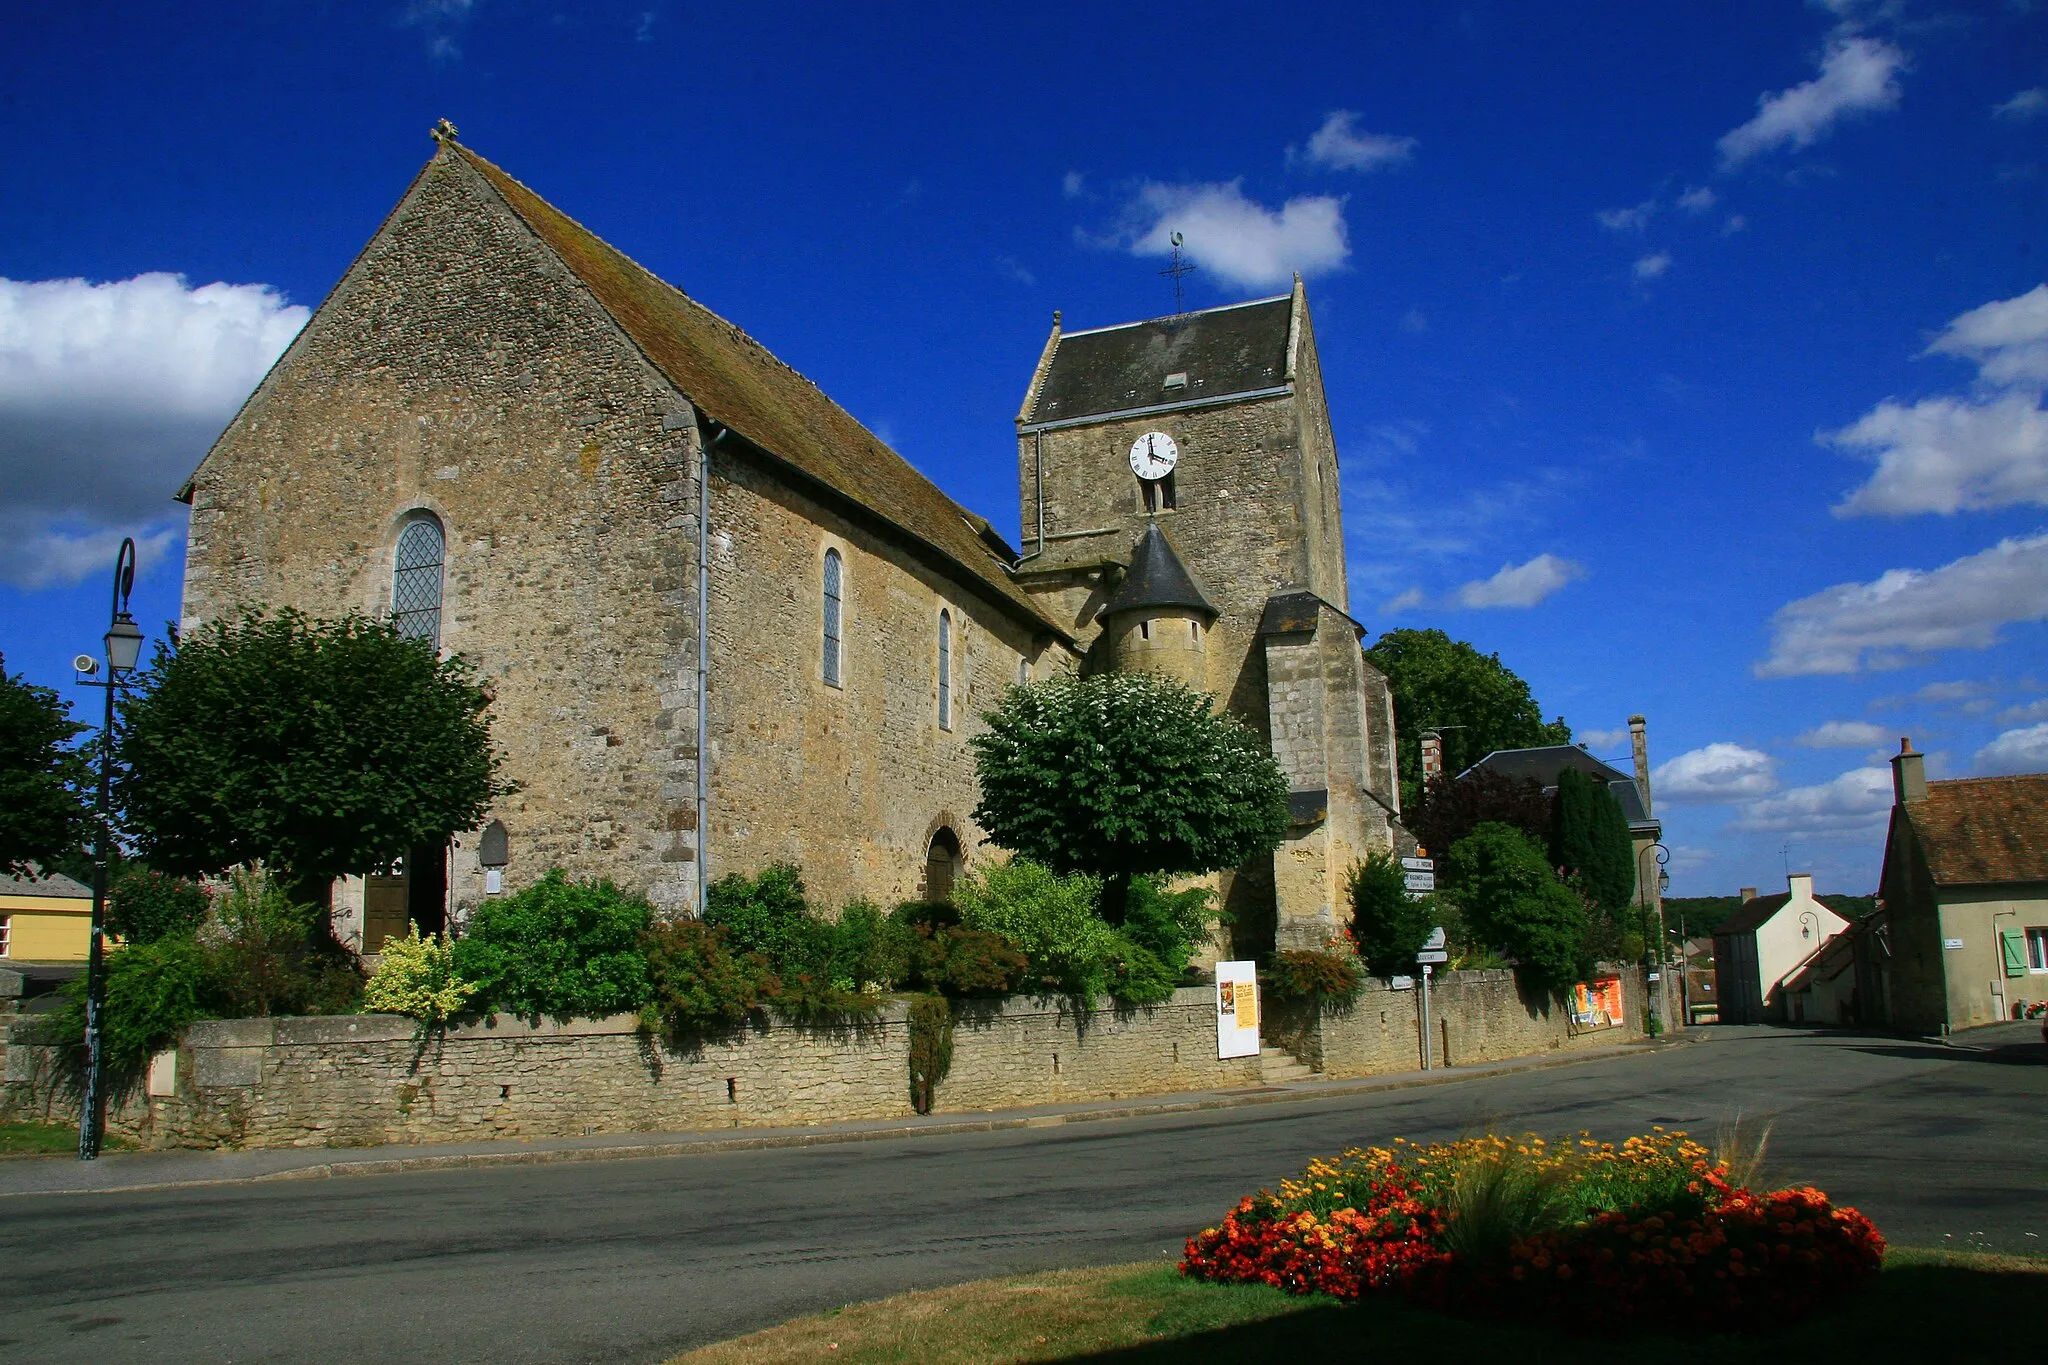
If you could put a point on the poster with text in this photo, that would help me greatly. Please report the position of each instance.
(1237, 1010)
(1598, 1004)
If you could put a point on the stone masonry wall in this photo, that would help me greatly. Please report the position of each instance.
(457, 370)
(358, 1080)
(850, 781)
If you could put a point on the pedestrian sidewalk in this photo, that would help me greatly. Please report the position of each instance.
(181, 1169)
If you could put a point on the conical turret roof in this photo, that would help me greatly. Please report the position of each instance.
(1157, 578)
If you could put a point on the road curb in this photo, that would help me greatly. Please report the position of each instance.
(1290, 1094)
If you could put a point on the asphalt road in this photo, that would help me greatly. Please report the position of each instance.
(635, 1260)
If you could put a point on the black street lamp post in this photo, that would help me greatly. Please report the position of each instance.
(124, 650)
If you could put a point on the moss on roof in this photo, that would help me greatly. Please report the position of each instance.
(1978, 830)
(735, 380)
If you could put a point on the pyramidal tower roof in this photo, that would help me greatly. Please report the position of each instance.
(1157, 578)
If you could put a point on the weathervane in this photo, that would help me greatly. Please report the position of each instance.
(1176, 270)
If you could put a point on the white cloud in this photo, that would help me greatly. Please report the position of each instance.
(1906, 613)
(1858, 800)
(1857, 73)
(441, 21)
(1341, 145)
(2016, 751)
(1715, 774)
(2027, 104)
(1407, 601)
(109, 396)
(1736, 223)
(1604, 739)
(2025, 711)
(1630, 219)
(1844, 734)
(1697, 199)
(1964, 453)
(1072, 184)
(2008, 338)
(1237, 239)
(1520, 585)
(1653, 266)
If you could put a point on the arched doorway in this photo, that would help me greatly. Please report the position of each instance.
(941, 865)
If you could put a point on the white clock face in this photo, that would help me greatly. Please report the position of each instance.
(1153, 455)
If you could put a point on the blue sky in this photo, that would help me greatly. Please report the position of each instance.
(1691, 356)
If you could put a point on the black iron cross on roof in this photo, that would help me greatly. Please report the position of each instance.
(1176, 270)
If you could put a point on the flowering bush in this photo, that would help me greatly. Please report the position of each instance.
(1577, 1234)
(416, 976)
(1329, 976)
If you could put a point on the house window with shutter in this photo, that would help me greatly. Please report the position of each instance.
(2037, 950)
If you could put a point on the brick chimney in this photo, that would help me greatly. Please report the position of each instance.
(1748, 894)
(1432, 756)
(1909, 774)
(1639, 741)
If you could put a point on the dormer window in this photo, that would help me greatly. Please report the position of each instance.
(1177, 380)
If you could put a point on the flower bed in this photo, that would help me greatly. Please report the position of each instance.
(1579, 1235)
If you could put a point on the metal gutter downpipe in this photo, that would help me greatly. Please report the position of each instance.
(704, 664)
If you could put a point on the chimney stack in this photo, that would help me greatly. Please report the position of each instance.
(1909, 774)
(1639, 741)
(1432, 756)
(1748, 894)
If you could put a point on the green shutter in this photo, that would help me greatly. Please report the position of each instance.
(2013, 943)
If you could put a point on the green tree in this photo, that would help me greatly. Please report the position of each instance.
(319, 748)
(558, 948)
(1514, 903)
(146, 906)
(42, 816)
(1387, 926)
(1589, 840)
(1452, 807)
(1438, 682)
(1123, 775)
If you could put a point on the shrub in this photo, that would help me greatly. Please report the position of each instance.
(1050, 917)
(931, 1048)
(1388, 926)
(1170, 925)
(417, 976)
(1318, 976)
(696, 984)
(1513, 902)
(769, 915)
(867, 950)
(973, 962)
(154, 992)
(558, 948)
(269, 954)
(145, 906)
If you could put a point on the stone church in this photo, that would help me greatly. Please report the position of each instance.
(724, 624)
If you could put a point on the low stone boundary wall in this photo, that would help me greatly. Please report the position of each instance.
(1474, 1017)
(361, 1080)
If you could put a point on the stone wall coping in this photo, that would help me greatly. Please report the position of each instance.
(379, 1028)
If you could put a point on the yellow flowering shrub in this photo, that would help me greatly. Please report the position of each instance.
(417, 977)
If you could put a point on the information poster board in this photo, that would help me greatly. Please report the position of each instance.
(1597, 1005)
(1237, 1009)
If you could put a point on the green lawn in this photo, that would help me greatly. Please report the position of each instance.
(46, 1139)
(1150, 1314)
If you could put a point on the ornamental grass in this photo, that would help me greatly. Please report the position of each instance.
(1573, 1234)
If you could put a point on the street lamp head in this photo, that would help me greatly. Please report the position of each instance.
(124, 645)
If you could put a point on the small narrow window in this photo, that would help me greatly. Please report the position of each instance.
(945, 670)
(416, 581)
(4, 922)
(2037, 947)
(1195, 631)
(1144, 630)
(833, 570)
(1023, 671)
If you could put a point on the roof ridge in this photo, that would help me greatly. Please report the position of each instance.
(1175, 317)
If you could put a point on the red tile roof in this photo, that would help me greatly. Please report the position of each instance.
(1984, 829)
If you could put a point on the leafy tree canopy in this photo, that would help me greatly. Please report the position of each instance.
(1589, 840)
(41, 815)
(1438, 682)
(1452, 808)
(1514, 903)
(1386, 925)
(1125, 774)
(319, 747)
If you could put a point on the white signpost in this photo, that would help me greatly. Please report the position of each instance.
(1433, 952)
(1420, 875)
(1237, 1009)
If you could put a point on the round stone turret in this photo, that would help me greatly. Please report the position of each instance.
(1158, 621)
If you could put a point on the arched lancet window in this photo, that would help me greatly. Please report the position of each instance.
(416, 580)
(834, 572)
(941, 865)
(945, 670)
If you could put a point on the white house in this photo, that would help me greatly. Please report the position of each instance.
(1764, 945)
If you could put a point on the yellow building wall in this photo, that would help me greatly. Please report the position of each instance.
(46, 928)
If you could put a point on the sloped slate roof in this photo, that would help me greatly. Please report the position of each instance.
(1984, 829)
(55, 885)
(1157, 578)
(736, 381)
(1236, 349)
(1545, 763)
(1753, 914)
